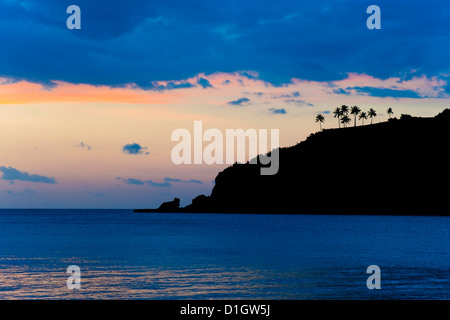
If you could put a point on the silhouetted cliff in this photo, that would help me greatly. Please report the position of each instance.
(394, 167)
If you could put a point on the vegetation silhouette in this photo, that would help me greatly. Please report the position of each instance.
(320, 118)
(404, 158)
(344, 110)
(345, 120)
(390, 112)
(337, 114)
(355, 110)
(362, 116)
(372, 114)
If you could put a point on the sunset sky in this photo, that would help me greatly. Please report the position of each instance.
(86, 116)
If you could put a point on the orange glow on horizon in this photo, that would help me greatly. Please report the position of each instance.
(24, 92)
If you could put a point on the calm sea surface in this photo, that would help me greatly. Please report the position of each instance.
(125, 255)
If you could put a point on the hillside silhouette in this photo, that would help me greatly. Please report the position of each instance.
(393, 167)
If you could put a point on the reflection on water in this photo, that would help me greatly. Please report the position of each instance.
(185, 256)
(22, 282)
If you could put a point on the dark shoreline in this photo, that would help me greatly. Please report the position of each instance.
(373, 213)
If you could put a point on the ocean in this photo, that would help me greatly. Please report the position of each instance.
(126, 255)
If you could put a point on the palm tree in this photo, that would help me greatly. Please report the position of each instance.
(337, 114)
(320, 118)
(390, 112)
(345, 120)
(344, 110)
(372, 114)
(355, 111)
(363, 116)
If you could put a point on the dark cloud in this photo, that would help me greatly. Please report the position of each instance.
(239, 102)
(134, 148)
(12, 174)
(144, 41)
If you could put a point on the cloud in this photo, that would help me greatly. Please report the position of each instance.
(157, 40)
(12, 174)
(387, 92)
(134, 181)
(183, 181)
(167, 182)
(294, 94)
(261, 92)
(277, 111)
(25, 192)
(204, 83)
(84, 146)
(239, 102)
(171, 85)
(299, 103)
(341, 91)
(164, 184)
(96, 194)
(134, 148)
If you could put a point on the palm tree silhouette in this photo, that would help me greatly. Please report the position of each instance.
(337, 114)
(372, 114)
(363, 116)
(344, 110)
(390, 112)
(320, 118)
(345, 120)
(355, 110)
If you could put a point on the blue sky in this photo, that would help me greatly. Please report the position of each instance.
(142, 41)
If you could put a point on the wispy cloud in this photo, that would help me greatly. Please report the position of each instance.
(182, 181)
(134, 181)
(25, 192)
(239, 102)
(167, 182)
(171, 85)
(84, 146)
(277, 111)
(299, 102)
(164, 184)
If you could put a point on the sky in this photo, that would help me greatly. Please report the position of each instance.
(86, 115)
